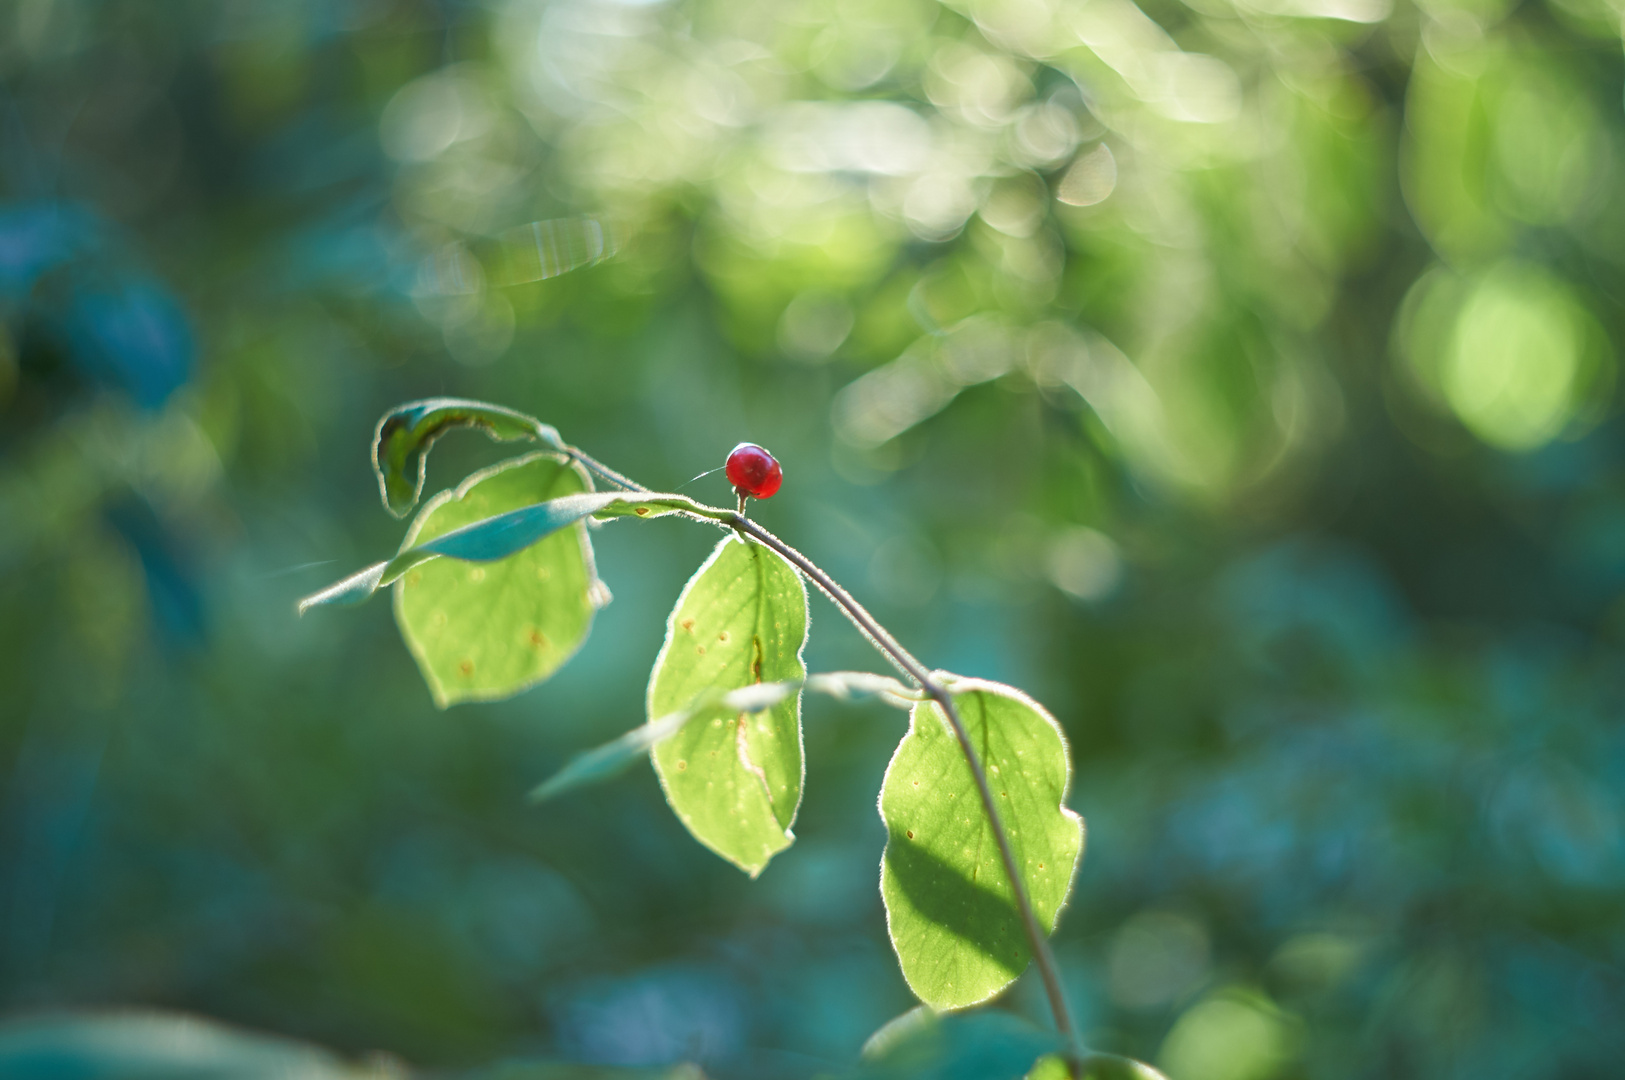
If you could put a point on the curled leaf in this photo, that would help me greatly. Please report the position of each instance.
(400, 446)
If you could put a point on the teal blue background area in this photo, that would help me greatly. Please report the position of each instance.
(1239, 379)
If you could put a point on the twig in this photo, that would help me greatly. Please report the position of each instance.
(910, 666)
(603, 470)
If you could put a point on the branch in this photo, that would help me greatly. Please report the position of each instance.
(909, 665)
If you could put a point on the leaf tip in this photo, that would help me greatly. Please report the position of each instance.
(351, 590)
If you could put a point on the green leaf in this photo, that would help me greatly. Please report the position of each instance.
(500, 535)
(949, 906)
(734, 782)
(491, 629)
(923, 1045)
(605, 761)
(400, 446)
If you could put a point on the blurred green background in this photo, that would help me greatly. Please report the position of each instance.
(1239, 377)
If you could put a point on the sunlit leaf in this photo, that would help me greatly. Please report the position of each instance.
(400, 446)
(491, 629)
(735, 782)
(949, 904)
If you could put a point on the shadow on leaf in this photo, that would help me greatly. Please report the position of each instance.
(986, 920)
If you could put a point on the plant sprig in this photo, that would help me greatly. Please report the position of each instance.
(495, 587)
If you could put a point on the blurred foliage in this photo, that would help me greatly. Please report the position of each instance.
(141, 1045)
(1239, 377)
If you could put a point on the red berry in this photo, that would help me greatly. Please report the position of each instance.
(753, 471)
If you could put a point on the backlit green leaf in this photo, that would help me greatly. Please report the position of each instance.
(735, 782)
(488, 630)
(400, 446)
(949, 905)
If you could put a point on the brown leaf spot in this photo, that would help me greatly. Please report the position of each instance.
(641, 511)
(687, 624)
(723, 637)
(700, 649)
(538, 640)
(682, 765)
(466, 667)
(911, 834)
(1041, 866)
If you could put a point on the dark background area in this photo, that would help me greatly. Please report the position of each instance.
(1239, 379)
